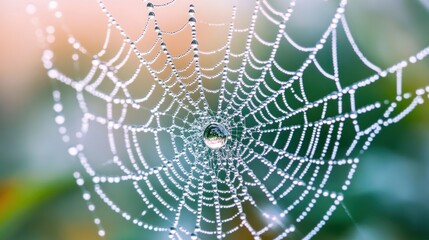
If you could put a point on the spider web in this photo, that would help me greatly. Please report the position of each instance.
(136, 115)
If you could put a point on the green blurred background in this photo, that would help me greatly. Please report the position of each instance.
(388, 198)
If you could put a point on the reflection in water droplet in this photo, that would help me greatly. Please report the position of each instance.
(215, 135)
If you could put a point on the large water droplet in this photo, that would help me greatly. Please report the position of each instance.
(215, 135)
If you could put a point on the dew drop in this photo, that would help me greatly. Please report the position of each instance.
(150, 6)
(101, 233)
(215, 135)
(192, 21)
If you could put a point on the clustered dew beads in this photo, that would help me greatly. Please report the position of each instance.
(254, 162)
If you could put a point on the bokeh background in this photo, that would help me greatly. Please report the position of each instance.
(389, 196)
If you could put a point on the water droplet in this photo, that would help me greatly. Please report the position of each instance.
(215, 135)
(101, 233)
(192, 21)
(150, 6)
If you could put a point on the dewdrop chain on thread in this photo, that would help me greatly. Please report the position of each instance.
(248, 158)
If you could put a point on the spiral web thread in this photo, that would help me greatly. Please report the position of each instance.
(290, 155)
